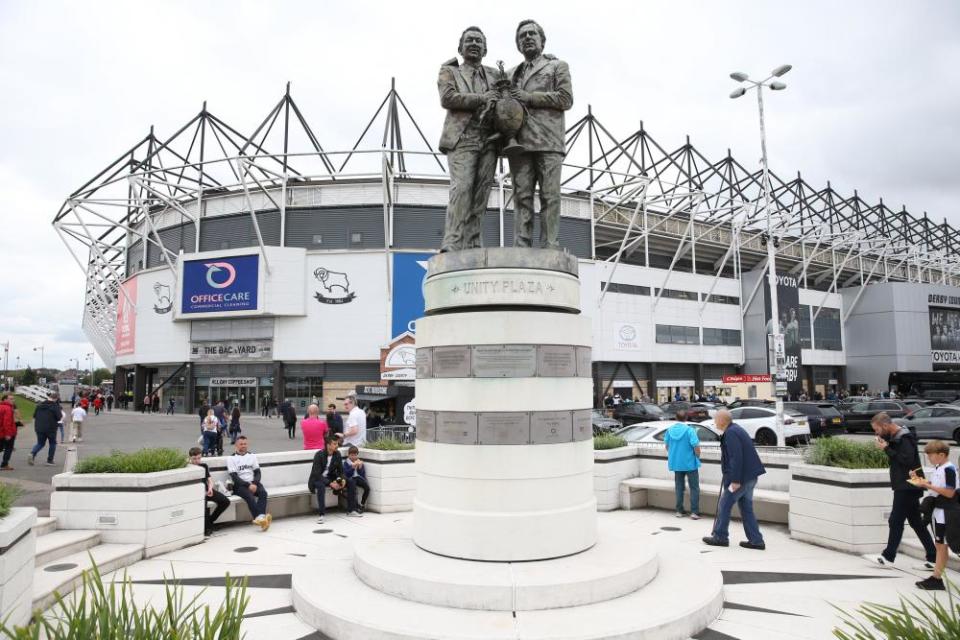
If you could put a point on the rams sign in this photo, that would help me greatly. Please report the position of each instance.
(222, 284)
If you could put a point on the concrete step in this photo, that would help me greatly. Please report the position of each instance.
(680, 602)
(57, 544)
(65, 574)
(44, 526)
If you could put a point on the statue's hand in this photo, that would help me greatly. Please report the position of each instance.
(520, 95)
(490, 96)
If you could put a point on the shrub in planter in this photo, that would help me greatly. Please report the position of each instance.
(109, 612)
(385, 444)
(8, 495)
(608, 441)
(846, 454)
(142, 461)
(919, 618)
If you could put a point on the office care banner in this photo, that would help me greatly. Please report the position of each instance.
(222, 284)
(788, 306)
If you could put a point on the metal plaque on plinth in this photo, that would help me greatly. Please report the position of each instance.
(504, 361)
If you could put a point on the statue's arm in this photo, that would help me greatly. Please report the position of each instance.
(561, 97)
(451, 98)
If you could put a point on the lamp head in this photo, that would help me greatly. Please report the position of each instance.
(782, 70)
(736, 93)
(739, 76)
(777, 86)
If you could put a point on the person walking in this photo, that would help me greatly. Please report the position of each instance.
(234, 429)
(171, 403)
(683, 459)
(289, 415)
(209, 432)
(8, 430)
(77, 416)
(901, 448)
(314, 428)
(740, 467)
(146, 404)
(46, 419)
(110, 401)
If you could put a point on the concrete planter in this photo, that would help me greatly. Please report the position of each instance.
(844, 509)
(392, 476)
(653, 464)
(610, 468)
(17, 550)
(161, 511)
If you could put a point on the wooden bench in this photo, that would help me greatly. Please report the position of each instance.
(635, 493)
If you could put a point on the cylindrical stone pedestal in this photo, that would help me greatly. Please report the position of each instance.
(504, 390)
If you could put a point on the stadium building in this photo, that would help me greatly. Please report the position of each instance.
(222, 264)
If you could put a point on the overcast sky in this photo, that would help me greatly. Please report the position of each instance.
(872, 102)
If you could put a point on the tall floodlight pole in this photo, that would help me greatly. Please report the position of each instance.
(6, 361)
(775, 339)
(90, 357)
(40, 349)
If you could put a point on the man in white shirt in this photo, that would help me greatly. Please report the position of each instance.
(245, 472)
(77, 416)
(355, 431)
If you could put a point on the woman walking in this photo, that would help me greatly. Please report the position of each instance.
(234, 430)
(210, 428)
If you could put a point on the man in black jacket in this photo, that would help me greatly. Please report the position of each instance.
(901, 448)
(289, 415)
(46, 420)
(327, 471)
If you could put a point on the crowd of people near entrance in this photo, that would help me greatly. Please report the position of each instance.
(330, 435)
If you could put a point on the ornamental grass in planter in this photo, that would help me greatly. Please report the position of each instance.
(608, 441)
(922, 617)
(386, 444)
(846, 454)
(108, 612)
(8, 495)
(142, 461)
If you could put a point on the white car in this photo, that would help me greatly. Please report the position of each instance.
(760, 423)
(654, 432)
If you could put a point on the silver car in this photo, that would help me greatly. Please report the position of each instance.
(941, 422)
(654, 433)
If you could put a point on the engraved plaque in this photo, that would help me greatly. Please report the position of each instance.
(451, 362)
(551, 427)
(424, 363)
(504, 427)
(582, 425)
(584, 362)
(556, 361)
(456, 427)
(505, 361)
(427, 426)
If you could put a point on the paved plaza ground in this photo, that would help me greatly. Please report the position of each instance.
(128, 431)
(787, 591)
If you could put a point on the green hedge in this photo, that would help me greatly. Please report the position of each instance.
(608, 441)
(8, 495)
(846, 454)
(383, 444)
(142, 461)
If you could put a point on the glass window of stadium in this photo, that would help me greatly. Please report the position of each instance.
(302, 390)
(246, 392)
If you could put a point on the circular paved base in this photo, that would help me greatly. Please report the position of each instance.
(614, 567)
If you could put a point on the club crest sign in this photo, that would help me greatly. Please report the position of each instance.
(220, 285)
(164, 302)
(334, 285)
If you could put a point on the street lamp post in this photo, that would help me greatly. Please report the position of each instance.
(90, 357)
(6, 361)
(40, 349)
(777, 339)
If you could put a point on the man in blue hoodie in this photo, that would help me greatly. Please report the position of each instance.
(683, 458)
(740, 466)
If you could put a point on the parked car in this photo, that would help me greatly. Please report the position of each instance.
(941, 422)
(849, 401)
(858, 416)
(633, 412)
(696, 411)
(602, 423)
(761, 424)
(750, 402)
(918, 403)
(941, 395)
(823, 417)
(654, 432)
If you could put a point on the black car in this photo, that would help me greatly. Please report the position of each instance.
(602, 424)
(858, 416)
(823, 417)
(633, 412)
(696, 411)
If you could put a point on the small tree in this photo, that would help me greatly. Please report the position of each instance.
(101, 374)
(28, 377)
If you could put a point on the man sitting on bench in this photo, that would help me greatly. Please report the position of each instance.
(245, 472)
(327, 471)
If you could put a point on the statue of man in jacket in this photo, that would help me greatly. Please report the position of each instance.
(466, 92)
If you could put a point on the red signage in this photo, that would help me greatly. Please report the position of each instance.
(746, 377)
(126, 329)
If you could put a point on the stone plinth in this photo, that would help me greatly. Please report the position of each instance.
(504, 451)
(18, 547)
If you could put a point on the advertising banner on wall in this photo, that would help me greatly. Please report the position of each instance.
(944, 336)
(788, 305)
(409, 270)
(126, 331)
(215, 285)
(231, 350)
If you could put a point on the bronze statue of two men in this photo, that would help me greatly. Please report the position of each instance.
(476, 97)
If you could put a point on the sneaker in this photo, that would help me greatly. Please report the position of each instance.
(679, 514)
(354, 514)
(759, 546)
(924, 566)
(320, 520)
(266, 522)
(715, 542)
(258, 521)
(931, 584)
(50, 464)
(6, 467)
(694, 516)
(31, 461)
(880, 561)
